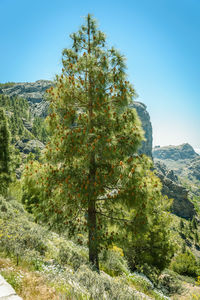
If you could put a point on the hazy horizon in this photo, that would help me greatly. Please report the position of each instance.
(160, 40)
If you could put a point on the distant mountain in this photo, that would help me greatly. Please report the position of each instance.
(184, 151)
(184, 161)
(33, 92)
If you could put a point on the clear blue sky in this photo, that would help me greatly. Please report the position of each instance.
(160, 38)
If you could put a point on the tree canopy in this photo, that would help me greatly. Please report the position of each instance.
(92, 179)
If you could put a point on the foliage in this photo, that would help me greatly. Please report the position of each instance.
(39, 129)
(5, 170)
(6, 84)
(185, 264)
(18, 234)
(153, 245)
(169, 283)
(113, 263)
(17, 110)
(93, 179)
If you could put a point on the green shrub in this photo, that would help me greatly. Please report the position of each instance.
(113, 263)
(169, 283)
(17, 232)
(185, 264)
(6, 84)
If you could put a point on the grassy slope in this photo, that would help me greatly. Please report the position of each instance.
(50, 265)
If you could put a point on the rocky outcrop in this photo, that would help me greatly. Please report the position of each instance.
(184, 151)
(40, 109)
(6, 291)
(181, 205)
(27, 146)
(32, 91)
(143, 114)
(194, 168)
(27, 124)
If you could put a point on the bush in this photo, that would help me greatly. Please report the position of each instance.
(169, 283)
(185, 264)
(113, 263)
(17, 231)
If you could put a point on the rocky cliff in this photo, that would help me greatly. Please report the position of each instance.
(184, 151)
(181, 205)
(34, 92)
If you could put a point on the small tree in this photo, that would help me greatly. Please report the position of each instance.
(194, 223)
(5, 174)
(181, 225)
(93, 176)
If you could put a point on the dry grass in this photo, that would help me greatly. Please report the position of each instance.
(31, 286)
(192, 293)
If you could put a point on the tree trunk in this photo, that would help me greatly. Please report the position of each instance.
(92, 228)
(93, 245)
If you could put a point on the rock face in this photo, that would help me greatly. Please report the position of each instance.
(194, 168)
(27, 146)
(184, 151)
(146, 147)
(181, 206)
(34, 93)
(6, 291)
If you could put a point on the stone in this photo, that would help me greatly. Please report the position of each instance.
(6, 291)
(194, 168)
(171, 187)
(29, 146)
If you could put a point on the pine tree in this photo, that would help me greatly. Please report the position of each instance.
(194, 223)
(93, 177)
(4, 153)
(196, 238)
(181, 225)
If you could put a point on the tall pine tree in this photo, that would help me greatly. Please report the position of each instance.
(5, 175)
(93, 177)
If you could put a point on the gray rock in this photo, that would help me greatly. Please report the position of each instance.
(143, 114)
(194, 168)
(184, 151)
(6, 291)
(181, 205)
(32, 91)
(29, 146)
(27, 125)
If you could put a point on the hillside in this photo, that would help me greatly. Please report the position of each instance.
(43, 251)
(184, 162)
